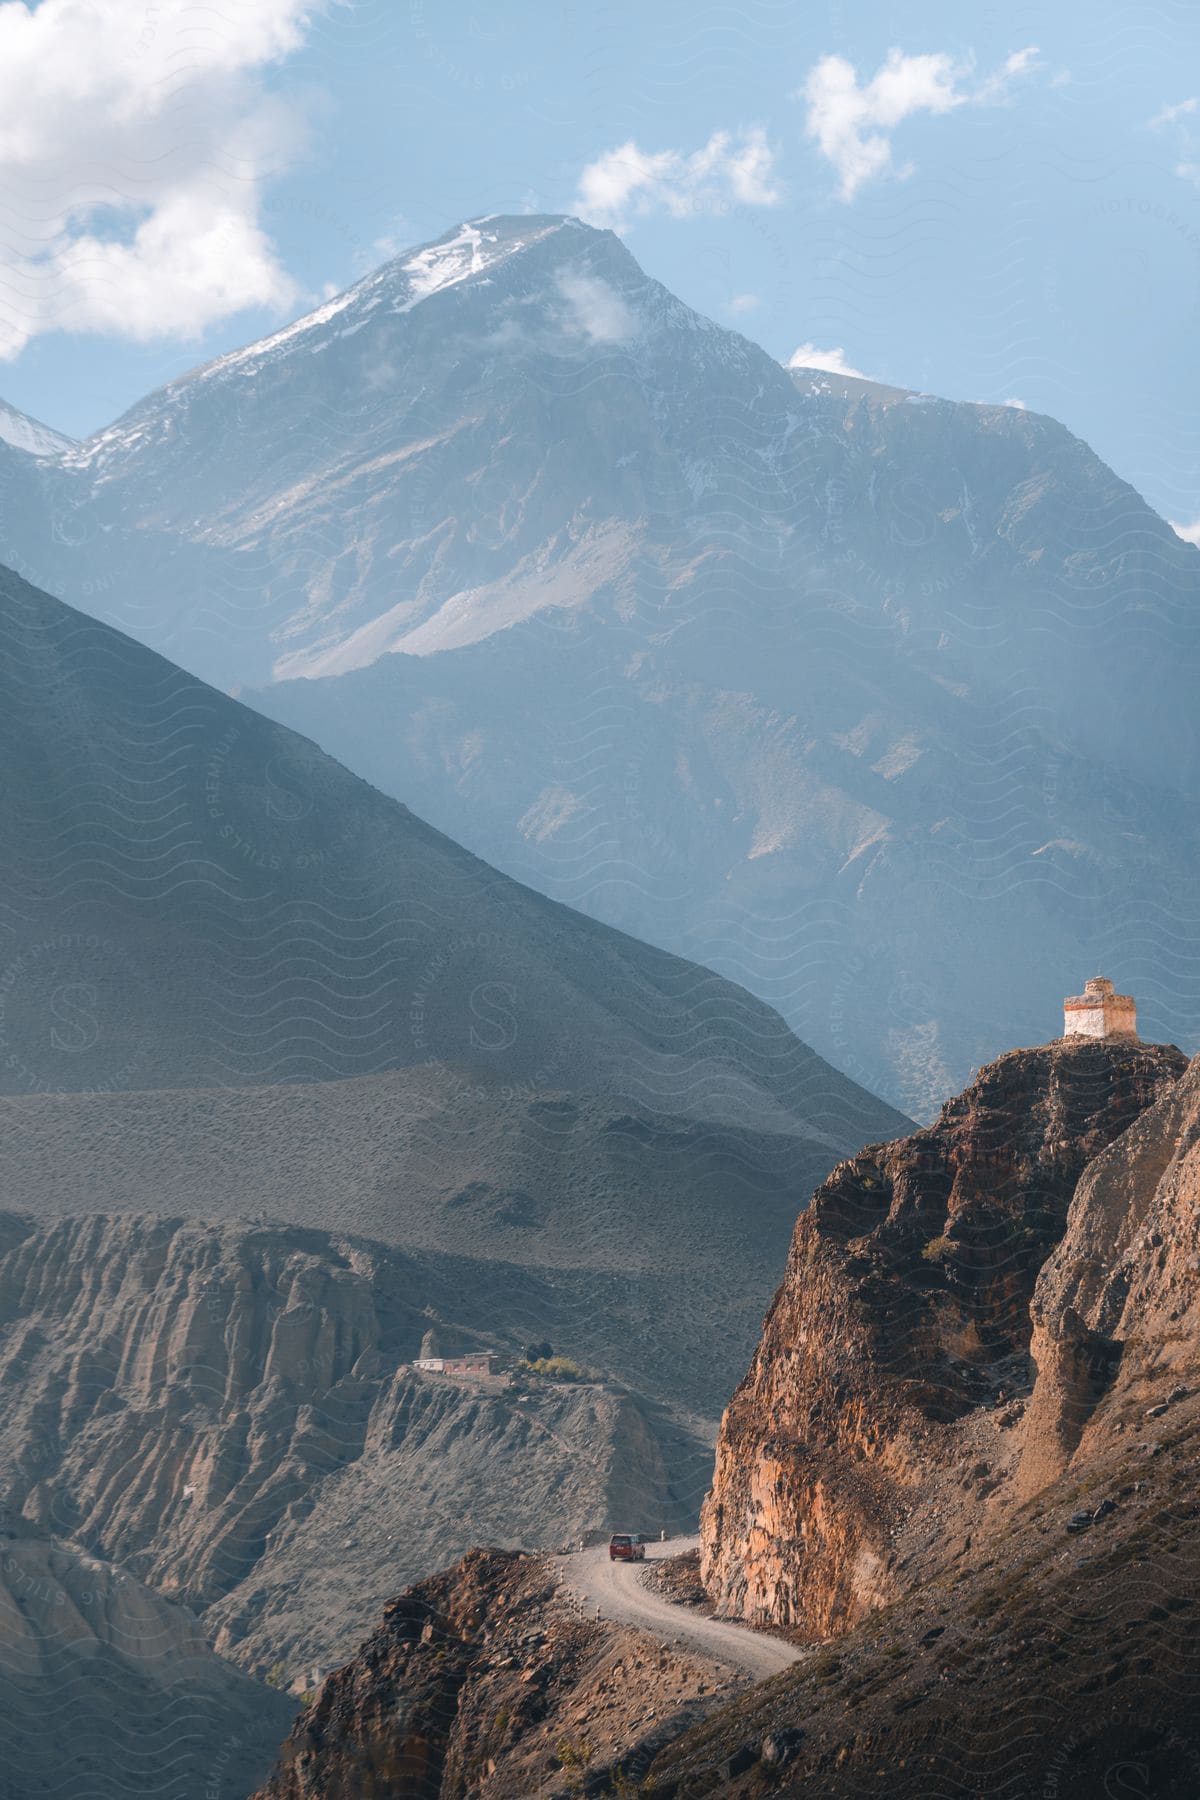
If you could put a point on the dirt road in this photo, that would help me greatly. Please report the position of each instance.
(617, 1588)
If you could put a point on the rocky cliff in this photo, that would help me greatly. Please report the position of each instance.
(1115, 1314)
(1047, 1647)
(901, 1336)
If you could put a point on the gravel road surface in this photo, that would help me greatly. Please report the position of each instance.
(618, 1589)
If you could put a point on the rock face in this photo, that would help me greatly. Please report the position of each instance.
(904, 1315)
(108, 1690)
(227, 1412)
(1115, 1311)
(1041, 1640)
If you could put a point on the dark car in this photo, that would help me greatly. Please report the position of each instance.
(626, 1547)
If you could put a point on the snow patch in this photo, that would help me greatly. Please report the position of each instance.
(454, 260)
(24, 433)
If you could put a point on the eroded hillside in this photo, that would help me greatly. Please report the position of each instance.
(230, 1414)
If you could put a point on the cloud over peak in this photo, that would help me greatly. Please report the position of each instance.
(731, 169)
(832, 362)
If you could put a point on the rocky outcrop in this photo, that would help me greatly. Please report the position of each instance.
(229, 1413)
(1116, 1314)
(1051, 1652)
(485, 1680)
(904, 1318)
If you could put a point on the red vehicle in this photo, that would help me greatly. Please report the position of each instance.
(624, 1547)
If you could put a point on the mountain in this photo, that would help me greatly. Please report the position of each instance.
(194, 896)
(835, 687)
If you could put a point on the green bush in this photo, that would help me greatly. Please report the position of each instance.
(558, 1368)
(938, 1249)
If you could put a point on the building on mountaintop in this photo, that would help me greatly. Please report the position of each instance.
(472, 1362)
(1099, 1012)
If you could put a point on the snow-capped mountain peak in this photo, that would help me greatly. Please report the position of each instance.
(24, 433)
(470, 250)
(403, 283)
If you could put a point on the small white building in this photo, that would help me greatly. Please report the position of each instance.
(1099, 1012)
(470, 1362)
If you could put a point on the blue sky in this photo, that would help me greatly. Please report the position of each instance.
(1009, 210)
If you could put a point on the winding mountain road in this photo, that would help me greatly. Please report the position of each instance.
(620, 1592)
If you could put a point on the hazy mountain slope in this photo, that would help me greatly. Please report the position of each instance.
(109, 1690)
(906, 871)
(839, 689)
(194, 895)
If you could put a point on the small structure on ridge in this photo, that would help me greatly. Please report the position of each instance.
(1099, 1012)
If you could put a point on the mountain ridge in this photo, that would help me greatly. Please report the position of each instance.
(753, 664)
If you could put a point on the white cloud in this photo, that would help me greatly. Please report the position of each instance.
(135, 140)
(732, 168)
(1020, 405)
(1170, 115)
(833, 362)
(742, 303)
(595, 309)
(851, 124)
(1178, 118)
(1189, 533)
